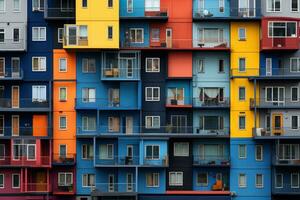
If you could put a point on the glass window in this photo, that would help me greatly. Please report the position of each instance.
(242, 33)
(242, 151)
(110, 3)
(39, 93)
(152, 5)
(200, 64)
(242, 64)
(129, 6)
(242, 180)
(2, 151)
(2, 5)
(39, 64)
(63, 94)
(175, 178)
(106, 151)
(295, 64)
(17, 5)
(259, 152)
(65, 179)
(38, 33)
(202, 179)
(62, 65)
(273, 5)
(87, 151)
(88, 65)
(16, 35)
(2, 35)
(136, 35)
(38, 5)
(88, 123)
(242, 122)
(259, 181)
(113, 124)
(60, 35)
(88, 95)
(88, 180)
(2, 185)
(295, 122)
(282, 29)
(110, 32)
(221, 66)
(295, 180)
(84, 3)
(152, 93)
(152, 152)
(62, 150)
(279, 180)
(152, 179)
(242, 93)
(181, 149)
(155, 35)
(15, 180)
(152, 64)
(152, 122)
(62, 122)
(295, 93)
(295, 5)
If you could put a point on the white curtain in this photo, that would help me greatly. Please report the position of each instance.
(211, 92)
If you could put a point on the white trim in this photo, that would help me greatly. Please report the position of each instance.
(107, 148)
(131, 184)
(183, 155)
(12, 180)
(176, 174)
(294, 87)
(239, 183)
(152, 175)
(239, 36)
(272, 22)
(134, 40)
(3, 35)
(40, 67)
(291, 8)
(128, 6)
(242, 128)
(152, 119)
(4, 8)
(298, 64)
(58, 40)
(240, 58)
(59, 65)
(40, 37)
(27, 155)
(152, 68)
(152, 98)
(262, 152)
(39, 8)
(262, 181)
(59, 125)
(65, 174)
(20, 7)
(273, 11)
(16, 42)
(221, 5)
(152, 154)
(239, 153)
(88, 186)
(59, 93)
(240, 95)
(59, 149)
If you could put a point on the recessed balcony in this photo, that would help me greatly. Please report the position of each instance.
(211, 161)
(117, 161)
(24, 104)
(276, 133)
(59, 10)
(11, 74)
(275, 103)
(211, 102)
(25, 161)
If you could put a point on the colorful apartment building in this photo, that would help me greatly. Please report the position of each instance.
(149, 99)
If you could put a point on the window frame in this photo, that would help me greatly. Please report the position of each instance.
(3, 146)
(107, 150)
(13, 38)
(271, 23)
(239, 66)
(89, 71)
(297, 128)
(128, 10)
(2, 176)
(39, 37)
(298, 179)
(4, 7)
(298, 6)
(184, 154)
(239, 35)
(87, 117)
(19, 10)
(152, 157)
(152, 120)
(245, 126)
(59, 153)
(12, 180)
(298, 64)
(152, 176)
(87, 146)
(110, 32)
(202, 184)
(261, 154)
(262, 181)
(239, 181)
(65, 182)
(294, 87)
(135, 40)
(40, 67)
(39, 8)
(239, 151)
(152, 98)
(60, 40)
(88, 176)
(59, 123)
(176, 174)
(281, 180)
(273, 10)
(240, 88)
(152, 65)
(3, 32)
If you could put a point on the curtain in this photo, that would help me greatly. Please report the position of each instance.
(211, 92)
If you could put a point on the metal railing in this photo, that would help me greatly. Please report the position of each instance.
(6, 161)
(212, 12)
(211, 102)
(120, 73)
(37, 187)
(274, 103)
(64, 159)
(171, 101)
(115, 103)
(23, 103)
(285, 188)
(211, 160)
(118, 160)
(276, 131)
(64, 189)
(11, 74)
(59, 13)
(114, 187)
(262, 72)
(24, 131)
(153, 162)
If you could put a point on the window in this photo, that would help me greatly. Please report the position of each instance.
(295, 122)
(129, 6)
(275, 94)
(84, 3)
(39, 93)
(88, 65)
(38, 34)
(152, 5)
(242, 122)
(294, 94)
(212, 123)
(2, 5)
(152, 152)
(110, 32)
(152, 179)
(175, 178)
(221, 66)
(152, 93)
(62, 151)
(62, 94)
(242, 93)
(200, 65)
(282, 29)
(65, 179)
(288, 152)
(62, 122)
(242, 34)
(15, 64)
(2, 185)
(88, 123)
(242, 151)
(15, 180)
(273, 5)
(221, 5)
(88, 95)
(136, 35)
(88, 180)
(295, 5)
(152, 64)
(2, 151)
(60, 35)
(152, 122)
(39, 64)
(279, 180)
(259, 181)
(181, 149)
(62, 64)
(211, 35)
(242, 64)
(242, 180)
(1, 121)
(295, 64)
(294, 180)
(106, 151)
(87, 151)
(202, 179)
(17, 5)
(155, 35)
(2, 35)
(16, 35)
(113, 124)
(259, 152)
(110, 3)
(38, 5)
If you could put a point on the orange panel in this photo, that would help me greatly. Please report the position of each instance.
(71, 65)
(180, 64)
(40, 125)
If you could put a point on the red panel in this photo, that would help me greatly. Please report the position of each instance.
(180, 64)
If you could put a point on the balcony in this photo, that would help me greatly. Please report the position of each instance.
(21, 131)
(117, 161)
(280, 43)
(212, 132)
(57, 12)
(162, 162)
(285, 189)
(23, 104)
(211, 161)
(69, 159)
(25, 161)
(11, 74)
(153, 14)
(172, 102)
(280, 161)
(276, 133)
(263, 74)
(110, 189)
(211, 103)
(105, 104)
(265, 103)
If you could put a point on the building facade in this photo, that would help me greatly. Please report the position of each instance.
(149, 99)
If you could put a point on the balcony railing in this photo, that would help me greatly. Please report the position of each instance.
(24, 131)
(212, 131)
(59, 13)
(117, 160)
(11, 74)
(285, 161)
(64, 189)
(224, 12)
(285, 188)
(162, 162)
(37, 187)
(76, 41)
(211, 102)
(278, 103)
(276, 132)
(107, 130)
(121, 73)
(114, 187)
(263, 73)
(211, 161)
(68, 159)
(13, 45)
(173, 102)
(8, 103)
(100, 103)
(8, 161)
